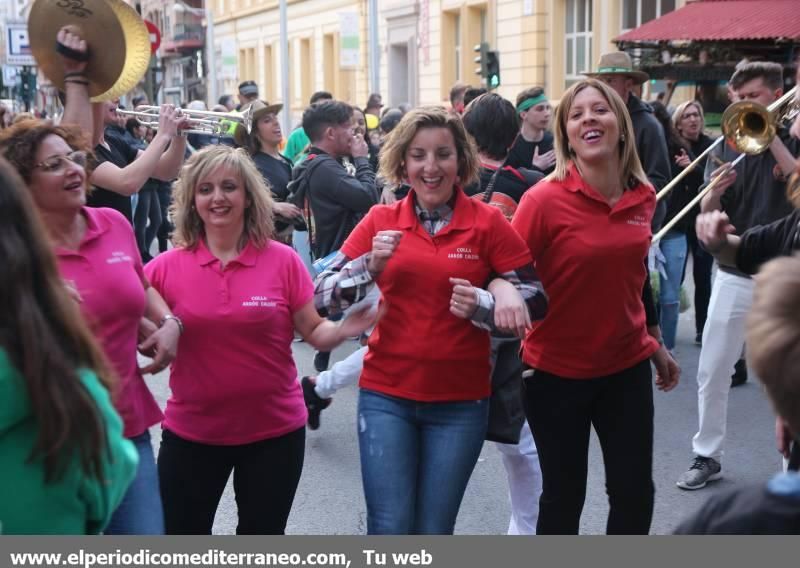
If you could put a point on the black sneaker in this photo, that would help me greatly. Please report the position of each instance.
(739, 376)
(321, 360)
(314, 403)
(698, 339)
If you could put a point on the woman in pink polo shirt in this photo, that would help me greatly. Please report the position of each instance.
(98, 258)
(438, 258)
(236, 405)
(588, 229)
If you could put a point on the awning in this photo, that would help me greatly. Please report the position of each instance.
(723, 20)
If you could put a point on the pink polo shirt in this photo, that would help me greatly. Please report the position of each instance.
(234, 380)
(107, 271)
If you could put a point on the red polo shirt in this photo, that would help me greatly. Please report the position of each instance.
(590, 257)
(419, 350)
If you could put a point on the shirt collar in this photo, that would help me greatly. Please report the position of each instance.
(462, 207)
(247, 257)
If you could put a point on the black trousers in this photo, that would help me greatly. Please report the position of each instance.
(561, 413)
(147, 218)
(702, 263)
(265, 477)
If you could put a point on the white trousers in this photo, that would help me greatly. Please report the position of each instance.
(343, 373)
(524, 482)
(723, 341)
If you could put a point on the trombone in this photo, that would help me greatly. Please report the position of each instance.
(200, 121)
(748, 127)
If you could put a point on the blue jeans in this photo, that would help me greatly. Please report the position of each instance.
(140, 512)
(416, 460)
(673, 247)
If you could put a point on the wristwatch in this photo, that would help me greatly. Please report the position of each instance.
(175, 318)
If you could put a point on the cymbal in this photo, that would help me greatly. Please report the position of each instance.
(119, 44)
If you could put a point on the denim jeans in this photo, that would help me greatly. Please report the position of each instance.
(140, 512)
(673, 247)
(416, 460)
(147, 218)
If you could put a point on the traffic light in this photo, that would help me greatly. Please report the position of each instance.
(482, 49)
(492, 69)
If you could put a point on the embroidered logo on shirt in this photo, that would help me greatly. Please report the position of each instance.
(259, 302)
(117, 257)
(463, 253)
(639, 220)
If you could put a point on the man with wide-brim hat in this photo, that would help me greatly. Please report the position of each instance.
(616, 70)
(258, 110)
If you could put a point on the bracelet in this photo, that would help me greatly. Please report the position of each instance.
(174, 318)
(74, 74)
(77, 82)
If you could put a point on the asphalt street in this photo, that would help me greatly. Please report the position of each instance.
(330, 499)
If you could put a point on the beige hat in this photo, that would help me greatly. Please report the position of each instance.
(260, 108)
(618, 63)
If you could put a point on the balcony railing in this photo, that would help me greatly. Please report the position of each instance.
(186, 37)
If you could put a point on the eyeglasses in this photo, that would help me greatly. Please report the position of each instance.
(57, 164)
(691, 115)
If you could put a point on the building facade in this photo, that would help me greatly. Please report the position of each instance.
(425, 46)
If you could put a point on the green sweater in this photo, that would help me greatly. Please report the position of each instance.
(296, 145)
(76, 503)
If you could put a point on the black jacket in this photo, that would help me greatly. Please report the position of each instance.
(652, 148)
(336, 199)
(686, 189)
(763, 243)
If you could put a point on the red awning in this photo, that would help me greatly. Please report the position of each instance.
(721, 20)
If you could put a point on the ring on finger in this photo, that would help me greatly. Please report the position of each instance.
(386, 239)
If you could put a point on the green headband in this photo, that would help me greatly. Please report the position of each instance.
(528, 103)
(623, 70)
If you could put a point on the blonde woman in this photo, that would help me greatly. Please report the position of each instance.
(423, 403)
(235, 405)
(689, 121)
(589, 361)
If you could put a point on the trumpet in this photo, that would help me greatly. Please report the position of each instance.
(200, 121)
(749, 128)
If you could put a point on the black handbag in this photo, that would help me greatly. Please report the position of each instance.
(506, 412)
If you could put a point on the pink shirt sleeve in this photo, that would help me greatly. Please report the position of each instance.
(299, 284)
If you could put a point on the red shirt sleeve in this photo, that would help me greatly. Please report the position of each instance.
(360, 240)
(529, 223)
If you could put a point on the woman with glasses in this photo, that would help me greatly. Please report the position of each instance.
(688, 120)
(99, 260)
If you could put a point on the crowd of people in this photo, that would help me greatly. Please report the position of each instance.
(517, 235)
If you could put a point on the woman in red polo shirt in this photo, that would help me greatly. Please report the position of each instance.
(588, 229)
(422, 412)
(98, 258)
(236, 405)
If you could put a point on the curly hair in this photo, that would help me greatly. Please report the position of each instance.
(393, 153)
(259, 225)
(20, 142)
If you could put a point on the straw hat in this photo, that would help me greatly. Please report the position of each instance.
(618, 63)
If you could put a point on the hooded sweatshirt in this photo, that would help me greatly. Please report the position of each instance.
(75, 503)
(338, 200)
(652, 148)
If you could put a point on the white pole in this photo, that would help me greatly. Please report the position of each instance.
(374, 48)
(211, 57)
(285, 75)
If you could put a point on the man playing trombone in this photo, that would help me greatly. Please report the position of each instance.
(751, 194)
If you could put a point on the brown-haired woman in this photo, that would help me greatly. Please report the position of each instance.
(423, 408)
(97, 255)
(263, 144)
(589, 360)
(66, 464)
(236, 408)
